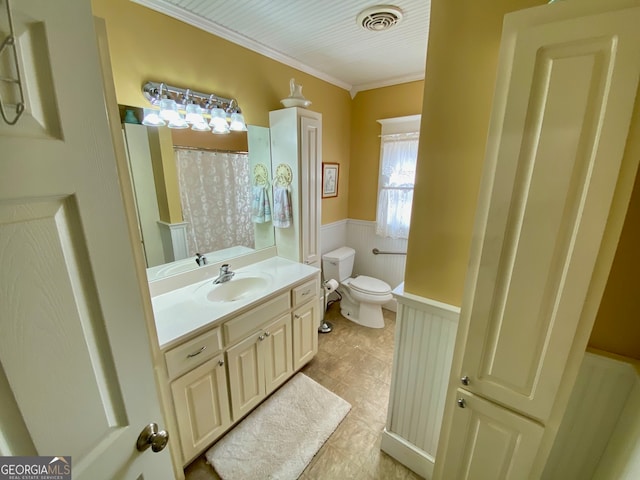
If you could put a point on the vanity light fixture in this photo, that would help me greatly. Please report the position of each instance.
(183, 108)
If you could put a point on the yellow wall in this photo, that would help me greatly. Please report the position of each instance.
(368, 107)
(464, 38)
(617, 328)
(146, 45)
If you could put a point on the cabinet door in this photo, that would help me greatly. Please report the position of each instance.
(490, 442)
(305, 333)
(560, 123)
(246, 376)
(202, 406)
(275, 350)
(311, 178)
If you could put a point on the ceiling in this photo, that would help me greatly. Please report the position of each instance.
(321, 38)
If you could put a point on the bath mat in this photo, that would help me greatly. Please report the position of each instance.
(280, 437)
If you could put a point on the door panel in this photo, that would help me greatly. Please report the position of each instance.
(305, 334)
(278, 364)
(246, 376)
(310, 165)
(202, 406)
(570, 97)
(490, 442)
(74, 347)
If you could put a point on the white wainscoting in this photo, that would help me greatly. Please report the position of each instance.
(621, 459)
(424, 341)
(593, 413)
(174, 240)
(361, 236)
(333, 235)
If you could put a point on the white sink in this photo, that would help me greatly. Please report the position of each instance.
(240, 287)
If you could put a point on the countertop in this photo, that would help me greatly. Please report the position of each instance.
(181, 312)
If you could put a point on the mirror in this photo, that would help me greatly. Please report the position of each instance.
(201, 193)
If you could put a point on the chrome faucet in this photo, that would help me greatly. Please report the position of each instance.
(201, 259)
(225, 274)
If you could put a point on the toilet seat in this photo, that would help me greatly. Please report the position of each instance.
(370, 286)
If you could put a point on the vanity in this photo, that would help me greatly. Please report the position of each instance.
(226, 347)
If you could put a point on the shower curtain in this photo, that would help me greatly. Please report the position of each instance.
(215, 192)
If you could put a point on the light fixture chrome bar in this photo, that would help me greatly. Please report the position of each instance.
(10, 41)
(154, 91)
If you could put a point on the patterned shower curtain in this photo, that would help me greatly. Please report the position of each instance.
(215, 192)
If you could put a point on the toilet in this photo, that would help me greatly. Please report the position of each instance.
(362, 296)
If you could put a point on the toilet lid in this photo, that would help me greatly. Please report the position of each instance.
(370, 285)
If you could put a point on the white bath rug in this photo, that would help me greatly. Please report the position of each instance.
(280, 437)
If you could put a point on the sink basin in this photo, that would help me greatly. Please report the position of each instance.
(238, 288)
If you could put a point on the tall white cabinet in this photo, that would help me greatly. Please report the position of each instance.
(553, 197)
(296, 141)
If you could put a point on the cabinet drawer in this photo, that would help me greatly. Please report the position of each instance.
(305, 292)
(244, 324)
(193, 353)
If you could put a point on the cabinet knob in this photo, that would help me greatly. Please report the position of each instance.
(221, 362)
(296, 315)
(261, 337)
(266, 334)
(465, 380)
(462, 403)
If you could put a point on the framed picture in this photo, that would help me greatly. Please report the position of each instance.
(330, 179)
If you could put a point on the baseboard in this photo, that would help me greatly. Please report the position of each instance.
(407, 454)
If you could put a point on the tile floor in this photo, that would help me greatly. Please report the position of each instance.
(355, 363)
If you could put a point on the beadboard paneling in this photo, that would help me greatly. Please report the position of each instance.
(597, 401)
(621, 459)
(361, 236)
(333, 235)
(425, 336)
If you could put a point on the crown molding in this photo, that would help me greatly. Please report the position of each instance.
(386, 83)
(213, 28)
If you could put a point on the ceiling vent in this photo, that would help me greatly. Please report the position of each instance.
(379, 18)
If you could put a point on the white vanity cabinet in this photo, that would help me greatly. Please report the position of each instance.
(296, 147)
(219, 376)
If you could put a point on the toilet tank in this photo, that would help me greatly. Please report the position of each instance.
(338, 263)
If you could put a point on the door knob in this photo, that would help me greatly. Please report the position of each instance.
(151, 437)
(465, 380)
(462, 403)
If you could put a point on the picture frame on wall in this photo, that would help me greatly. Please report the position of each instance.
(330, 172)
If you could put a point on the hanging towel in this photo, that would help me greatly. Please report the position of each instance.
(260, 208)
(282, 217)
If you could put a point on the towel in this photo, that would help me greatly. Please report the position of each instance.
(282, 216)
(260, 208)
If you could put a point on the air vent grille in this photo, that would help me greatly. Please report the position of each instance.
(379, 18)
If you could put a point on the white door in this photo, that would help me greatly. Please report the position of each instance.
(570, 96)
(567, 80)
(76, 375)
(497, 445)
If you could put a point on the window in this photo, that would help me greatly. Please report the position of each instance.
(398, 156)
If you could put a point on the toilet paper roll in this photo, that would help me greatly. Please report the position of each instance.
(330, 285)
